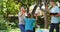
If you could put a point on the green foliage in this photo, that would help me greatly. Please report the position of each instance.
(2, 23)
(9, 7)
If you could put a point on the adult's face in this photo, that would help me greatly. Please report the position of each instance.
(51, 3)
(23, 10)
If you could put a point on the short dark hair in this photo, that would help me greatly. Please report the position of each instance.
(29, 14)
(52, 0)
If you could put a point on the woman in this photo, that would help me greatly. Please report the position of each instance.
(21, 16)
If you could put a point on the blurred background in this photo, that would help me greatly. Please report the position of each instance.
(9, 13)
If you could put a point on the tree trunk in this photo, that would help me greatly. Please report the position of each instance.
(33, 11)
(45, 15)
(27, 9)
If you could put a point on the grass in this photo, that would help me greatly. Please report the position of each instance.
(18, 30)
(12, 30)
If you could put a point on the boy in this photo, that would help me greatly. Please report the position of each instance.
(29, 23)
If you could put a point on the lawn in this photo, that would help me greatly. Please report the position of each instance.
(18, 30)
(12, 30)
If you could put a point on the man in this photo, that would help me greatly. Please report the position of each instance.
(21, 16)
(55, 14)
(29, 23)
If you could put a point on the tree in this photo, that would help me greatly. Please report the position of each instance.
(26, 3)
(7, 7)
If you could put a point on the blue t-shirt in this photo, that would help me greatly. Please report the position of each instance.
(55, 19)
(29, 23)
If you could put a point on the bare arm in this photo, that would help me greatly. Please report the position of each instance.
(58, 15)
(36, 16)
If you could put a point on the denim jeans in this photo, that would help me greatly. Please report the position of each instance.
(22, 27)
(54, 25)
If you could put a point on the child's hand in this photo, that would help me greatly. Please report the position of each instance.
(35, 14)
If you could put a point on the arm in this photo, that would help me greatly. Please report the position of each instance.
(25, 19)
(58, 14)
(20, 14)
(58, 11)
(36, 16)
